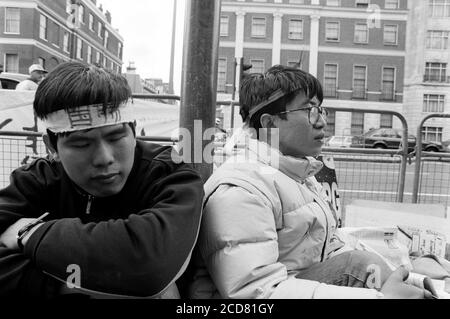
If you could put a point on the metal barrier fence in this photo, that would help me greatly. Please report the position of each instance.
(362, 173)
(432, 171)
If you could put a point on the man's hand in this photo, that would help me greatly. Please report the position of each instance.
(9, 237)
(396, 288)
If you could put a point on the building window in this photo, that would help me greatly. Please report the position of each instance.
(333, 3)
(295, 29)
(81, 13)
(222, 75)
(79, 49)
(357, 126)
(432, 134)
(390, 34)
(99, 29)
(437, 40)
(106, 39)
(359, 81)
(435, 72)
(439, 8)
(120, 50)
(361, 33)
(91, 22)
(433, 103)
(12, 63)
(258, 27)
(330, 129)
(386, 120)
(297, 1)
(362, 3)
(330, 80)
(388, 84)
(89, 54)
(332, 31)
(56, 32)
(224, 23)
(69, 6)
(41, 62)
(257, 66)
(66, 41)
(43, 27)
(391, 4)
(294, 64)
(97, 57)
(12, 20)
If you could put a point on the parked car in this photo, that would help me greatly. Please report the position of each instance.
(388, 138)
(9, 80)
(339, 141)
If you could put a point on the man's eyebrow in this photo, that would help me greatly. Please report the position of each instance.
(118, 130)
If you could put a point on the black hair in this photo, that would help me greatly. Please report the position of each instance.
(74, 84)
(257, 87)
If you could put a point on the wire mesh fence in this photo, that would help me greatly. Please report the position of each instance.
(359, 175)
(434, 186)
(367, 176)
(18, 151)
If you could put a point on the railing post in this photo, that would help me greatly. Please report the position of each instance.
(199, 77)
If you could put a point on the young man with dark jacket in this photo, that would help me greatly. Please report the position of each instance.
(123, 216)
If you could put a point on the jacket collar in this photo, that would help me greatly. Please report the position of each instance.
(298, 169)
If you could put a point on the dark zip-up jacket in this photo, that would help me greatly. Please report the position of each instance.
(134, 243)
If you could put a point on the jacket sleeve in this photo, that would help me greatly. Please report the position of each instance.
(18, 275)
(238, 241)
(138, 256)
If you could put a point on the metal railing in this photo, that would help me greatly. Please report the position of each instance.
(362, 173)
(436, 165)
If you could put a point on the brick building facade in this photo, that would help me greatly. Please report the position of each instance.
(52, 31)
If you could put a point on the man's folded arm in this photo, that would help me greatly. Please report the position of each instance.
(138, 256)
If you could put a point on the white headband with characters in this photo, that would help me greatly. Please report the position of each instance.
(87, 117)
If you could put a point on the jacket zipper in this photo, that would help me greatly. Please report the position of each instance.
(326, 232)
(89, 204)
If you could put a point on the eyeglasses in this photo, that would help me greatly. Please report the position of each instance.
(314, 112)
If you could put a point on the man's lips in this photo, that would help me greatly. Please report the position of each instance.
(320, 137)
(105, 177)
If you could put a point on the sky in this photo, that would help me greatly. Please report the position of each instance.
(146, 27)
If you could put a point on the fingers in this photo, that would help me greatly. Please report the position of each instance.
(428, 295)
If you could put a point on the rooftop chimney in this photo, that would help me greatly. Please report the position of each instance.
(108, 16)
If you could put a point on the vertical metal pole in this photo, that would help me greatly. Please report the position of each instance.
(172, 53)
(199, 76)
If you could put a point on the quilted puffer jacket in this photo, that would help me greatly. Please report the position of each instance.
(264, 220)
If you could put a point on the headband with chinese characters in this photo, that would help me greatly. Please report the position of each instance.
(87, 117)
(272, 98)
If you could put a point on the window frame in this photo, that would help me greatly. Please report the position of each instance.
(41, 27)
(365, 81)
(6, 20)
(301, 26)
(325, 78)
(367, 32)
(252, 34)
(427, 100)
(338, 31)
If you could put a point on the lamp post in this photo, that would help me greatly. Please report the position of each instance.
(172, 53)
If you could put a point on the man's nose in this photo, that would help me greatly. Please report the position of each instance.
(103, 155)
(321, 122)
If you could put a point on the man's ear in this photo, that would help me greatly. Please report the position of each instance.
(50, 147)
(266, 121)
